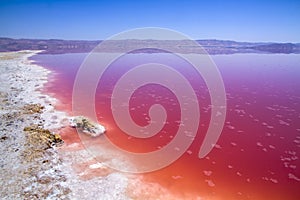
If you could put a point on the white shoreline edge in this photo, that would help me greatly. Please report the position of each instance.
(28, 79)
(115, 185)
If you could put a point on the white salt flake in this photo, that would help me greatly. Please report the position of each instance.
(176, 177)
(210, 183)
(259, 144)
(292, 176)
(189, 152)
(273, 180)
(207, 173)
(271, 146)
(96, 166)
(233, 144)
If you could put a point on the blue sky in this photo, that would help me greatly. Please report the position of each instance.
(254, 21)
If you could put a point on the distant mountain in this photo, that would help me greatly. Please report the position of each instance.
(55, 46)
(50, 46)
(279, 48)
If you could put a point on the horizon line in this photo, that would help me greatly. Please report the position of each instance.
(90, 40)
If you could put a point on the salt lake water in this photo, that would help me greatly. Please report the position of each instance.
(257, 154)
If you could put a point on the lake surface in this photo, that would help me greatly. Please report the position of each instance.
(257, 154)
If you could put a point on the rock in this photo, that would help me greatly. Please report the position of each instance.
(33, 108)
(3, 138)
(87, 126)
(39, 136)
(44, 179)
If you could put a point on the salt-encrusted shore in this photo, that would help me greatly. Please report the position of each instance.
(31, 164)
(30, 167)
(34, 163)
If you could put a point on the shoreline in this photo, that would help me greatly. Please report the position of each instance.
(26, 113)
(30, 166)
(34, 168)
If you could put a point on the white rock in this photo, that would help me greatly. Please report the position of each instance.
(87, 126)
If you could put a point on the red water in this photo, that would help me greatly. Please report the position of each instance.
(257, 153)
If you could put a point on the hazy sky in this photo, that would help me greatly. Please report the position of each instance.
(256, 20)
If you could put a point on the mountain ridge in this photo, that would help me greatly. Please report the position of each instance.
(212, 46)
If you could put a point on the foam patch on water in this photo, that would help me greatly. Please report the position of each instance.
(138, 188)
